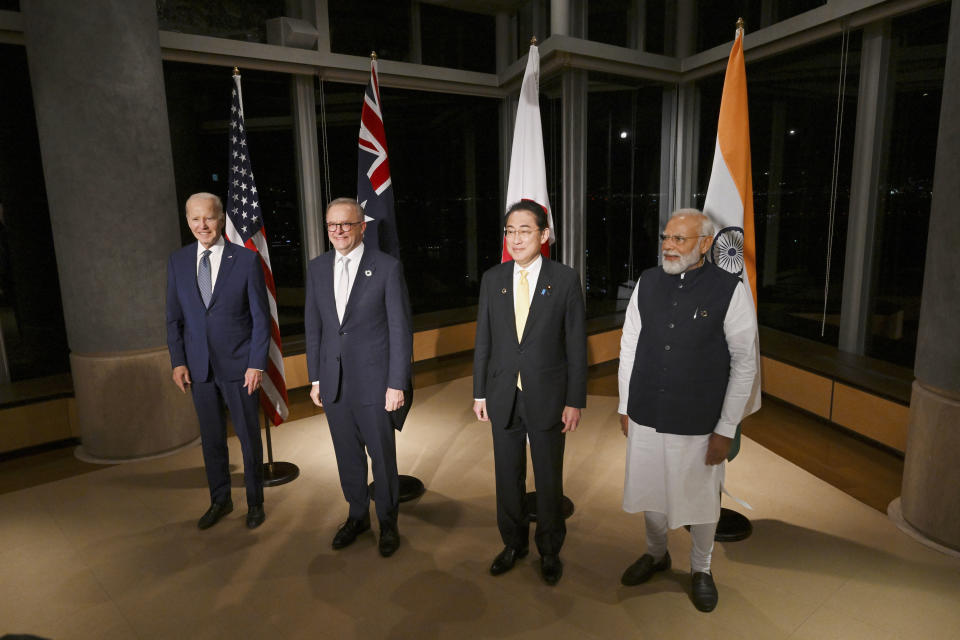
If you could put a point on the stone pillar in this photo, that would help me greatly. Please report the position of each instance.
(573, 226)
(98, 92)
(930, 499)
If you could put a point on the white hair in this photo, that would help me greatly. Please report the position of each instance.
(707, 228)
(203, 195)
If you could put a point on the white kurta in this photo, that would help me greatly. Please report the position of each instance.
(666, 472)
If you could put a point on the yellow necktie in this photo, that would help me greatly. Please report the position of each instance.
(522, 309)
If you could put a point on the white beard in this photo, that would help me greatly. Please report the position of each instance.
(687, 260)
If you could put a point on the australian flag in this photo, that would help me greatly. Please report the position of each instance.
(374, 188)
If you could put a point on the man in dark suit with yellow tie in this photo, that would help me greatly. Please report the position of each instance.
(218, 333)
(529, 380)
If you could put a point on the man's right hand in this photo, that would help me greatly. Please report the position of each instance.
(624, 425)
(480, 409)
(315, 395)
(181, 377)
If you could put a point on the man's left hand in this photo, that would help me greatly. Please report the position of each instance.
(251, 380)
(570, 419)
(394, 399)
(718, 448)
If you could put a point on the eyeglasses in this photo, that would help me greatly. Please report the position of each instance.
(346, 226)
(678, 239)
(523, 233)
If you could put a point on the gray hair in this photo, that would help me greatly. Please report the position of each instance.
(707, 228)
(212, 197)
(350, 202)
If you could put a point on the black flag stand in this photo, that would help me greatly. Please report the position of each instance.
(275, 473)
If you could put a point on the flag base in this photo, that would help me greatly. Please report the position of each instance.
(732, 526)
(411, 488)
(275, 473)
(530, 504)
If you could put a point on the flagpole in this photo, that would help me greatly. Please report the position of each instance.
(733, 526)
(273, 390)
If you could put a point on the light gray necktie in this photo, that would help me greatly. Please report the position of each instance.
(343, 287)
(204, 278)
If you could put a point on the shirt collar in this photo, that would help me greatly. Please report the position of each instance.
(354, 255)
(532, 269)
(215, 249)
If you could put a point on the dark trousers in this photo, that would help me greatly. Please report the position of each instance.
(510, 464)
(356, 430)
(209, 398)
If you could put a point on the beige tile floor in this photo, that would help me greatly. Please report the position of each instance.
(115, 553)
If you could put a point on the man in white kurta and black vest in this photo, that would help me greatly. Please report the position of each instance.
(688, 362)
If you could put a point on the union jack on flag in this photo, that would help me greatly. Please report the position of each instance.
(244, 226)
(374, 188)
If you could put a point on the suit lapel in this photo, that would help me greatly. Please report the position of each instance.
(227, 260)
(365, 271)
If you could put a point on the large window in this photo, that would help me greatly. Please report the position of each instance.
(31, 313)
(623, 184)
(716, 21)
(458, 39)
(919, 55)
(793, 118)
(198, 105)
(444, 164)
(358, 28)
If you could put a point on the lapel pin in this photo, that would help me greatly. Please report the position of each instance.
(230, 257)
(703, 314)
(368, 273)
(547, 290)
(503, 291)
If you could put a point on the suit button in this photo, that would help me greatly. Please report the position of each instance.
(681, 286)
(661, 391)
(669, 325)
(674, 303)
(666, 348)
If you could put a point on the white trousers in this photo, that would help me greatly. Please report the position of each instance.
(701, 535)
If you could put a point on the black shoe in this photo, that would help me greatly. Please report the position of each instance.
(216, 511)
(506, 559)
(643, 569)
(255, 516)
(551, 568)
(349, 532)
(389, 539)
(703, 592)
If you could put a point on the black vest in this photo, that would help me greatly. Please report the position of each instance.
(682, 363)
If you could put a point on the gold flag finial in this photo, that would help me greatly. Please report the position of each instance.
(373, 55)
(740, 24)
(236, 71)
(533, 41)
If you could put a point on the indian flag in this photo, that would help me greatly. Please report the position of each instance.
(729, 201)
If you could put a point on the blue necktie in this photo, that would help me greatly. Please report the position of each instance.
(204, 279)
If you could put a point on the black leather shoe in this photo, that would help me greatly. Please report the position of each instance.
(703, 592)
(349, 532)
(255, 516)
(643, 569)
(506, 559)
(216, 511)
(551, 568)
(389, 539)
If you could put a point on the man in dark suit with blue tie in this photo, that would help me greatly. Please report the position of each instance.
(359, 346)
(530, 382)
(218, 332)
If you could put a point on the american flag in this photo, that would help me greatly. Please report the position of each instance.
(245, 227)
(374, 188)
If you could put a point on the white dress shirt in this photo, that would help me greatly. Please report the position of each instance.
(354, 257)
(216, 255)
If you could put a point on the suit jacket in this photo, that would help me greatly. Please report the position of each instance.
(552, 356)
(372, 348)
(233, 334)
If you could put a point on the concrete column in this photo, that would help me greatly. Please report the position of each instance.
(573, 228)
(559, 17)
(637, 34)
(930, 500)
(98, 91)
